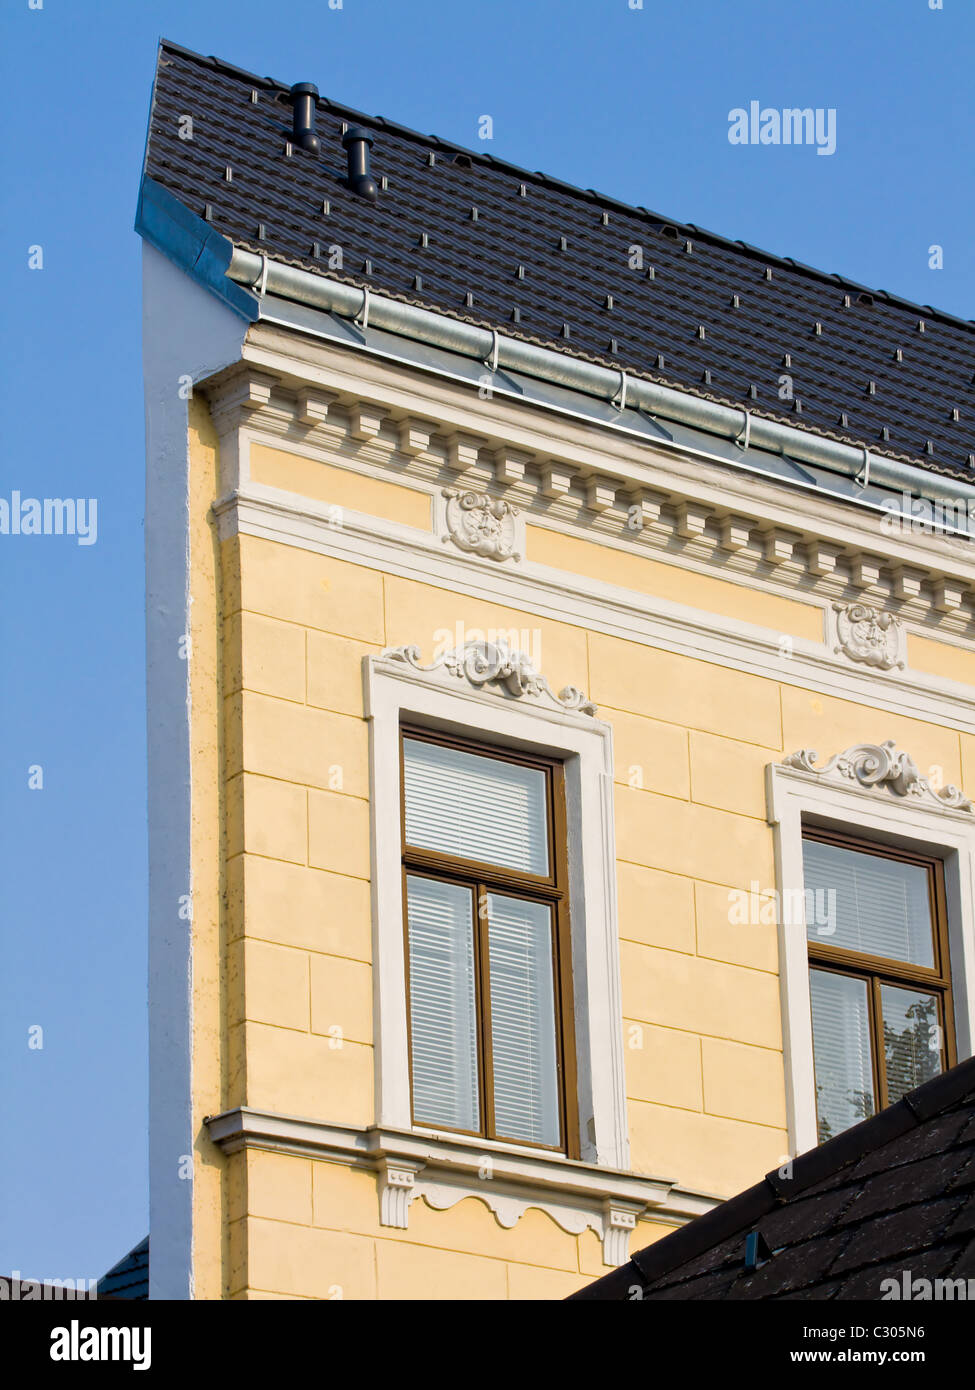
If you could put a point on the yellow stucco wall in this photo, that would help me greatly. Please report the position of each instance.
(702, 1020)
(209, 1057)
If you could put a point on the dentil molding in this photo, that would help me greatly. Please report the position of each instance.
(494, 487)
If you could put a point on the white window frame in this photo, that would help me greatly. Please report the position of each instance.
(399, 689)
(901, 810)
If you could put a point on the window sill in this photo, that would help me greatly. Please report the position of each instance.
(444, 1169)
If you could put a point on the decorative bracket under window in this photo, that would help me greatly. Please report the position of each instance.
(443, 1170)
(612, 1218)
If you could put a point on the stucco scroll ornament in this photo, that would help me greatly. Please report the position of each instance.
(868, 634)
(880, 765)
(480, 524)
(494, 663)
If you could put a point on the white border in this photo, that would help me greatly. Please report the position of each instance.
(795, 798)
(396, 691)
(187, 335)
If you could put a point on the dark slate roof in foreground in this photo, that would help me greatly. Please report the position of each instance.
(481, 240)
(894, 1193)
(130, 1277)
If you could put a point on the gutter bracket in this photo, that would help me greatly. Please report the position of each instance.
(743, 437)
(621, 393)
(862, 477)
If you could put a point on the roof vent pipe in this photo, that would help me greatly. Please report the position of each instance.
(357, 141)
(304, 99)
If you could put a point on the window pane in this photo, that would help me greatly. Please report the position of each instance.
(912, 1039)
(443, 1004)
(880, 906)
(841, 1046)
(475, 807)
(526, 1088)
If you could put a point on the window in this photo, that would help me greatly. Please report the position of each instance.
(879, 981)
(488, 961)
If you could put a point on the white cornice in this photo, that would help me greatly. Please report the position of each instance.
(537, 589)
(603, 464)
(444, 1169)
(747, 529)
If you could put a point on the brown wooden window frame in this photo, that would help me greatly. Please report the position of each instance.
(551, 889)
(877, 971)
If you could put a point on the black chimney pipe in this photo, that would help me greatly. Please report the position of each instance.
(304, 98)
(357, 141)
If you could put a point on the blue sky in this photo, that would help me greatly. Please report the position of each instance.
(632, 102)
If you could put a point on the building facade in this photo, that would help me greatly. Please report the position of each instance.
(556, 755)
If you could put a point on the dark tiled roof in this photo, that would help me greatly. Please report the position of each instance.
(130, 1277)
(478, 239)
(894, 1193)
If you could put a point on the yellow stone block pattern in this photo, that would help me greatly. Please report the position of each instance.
(682, 690)
(340, 487)
(437, 620)
(701, 996)
(264, 655)
(405, 1271)
(947, 659)
(649, 756)
(709, 1154)
(702, 1023)
(729, 775)
(298, 906)
(279, 1187)
(276, 985)
(338, 833)
(528, 1282)
(335, 672)
(303, 1074)
(655, 908)
(743, 1083)
(751, 943)
(267, 817)
(306, 1261)
(341, 998)
(663, 1065)
(674, 582)
(681, 837)
(811, 720)
(313, 747)
(301, 586)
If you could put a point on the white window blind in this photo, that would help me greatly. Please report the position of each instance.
(882, 905)
(523, 1040)
(841, 1048)
(443, 1009)
(475, 807)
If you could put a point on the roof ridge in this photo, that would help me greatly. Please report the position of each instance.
(589, 194)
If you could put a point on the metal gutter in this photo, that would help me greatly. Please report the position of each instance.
(212, 259)
(192, 245)
(263, 275)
